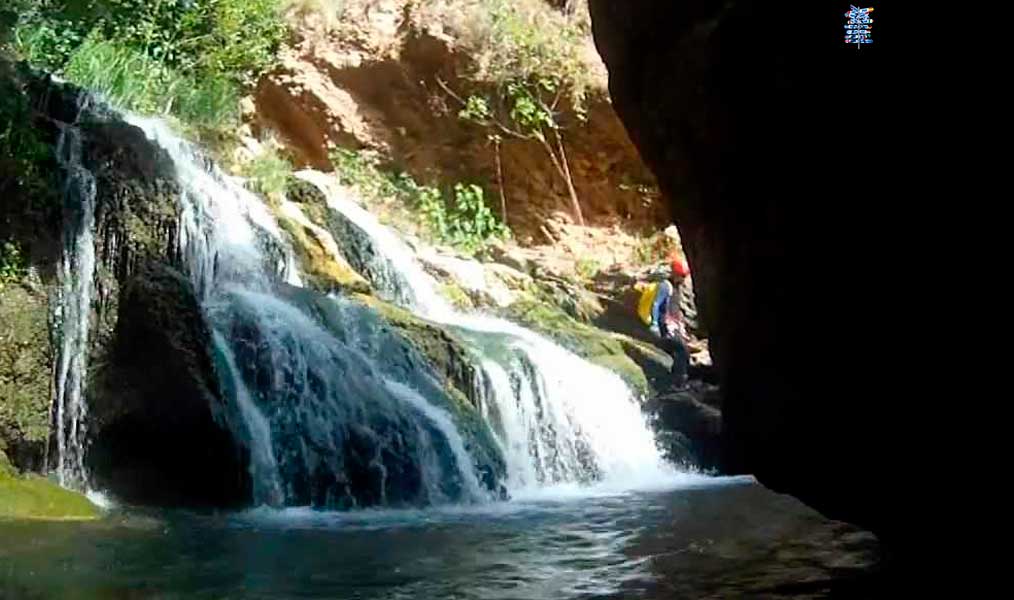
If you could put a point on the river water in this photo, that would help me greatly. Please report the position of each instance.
(702, 538)
(333, 420)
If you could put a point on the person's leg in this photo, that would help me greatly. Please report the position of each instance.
(680, 361)
(663, 326)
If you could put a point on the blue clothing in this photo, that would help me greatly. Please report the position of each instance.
(661, 305)
(680, 354)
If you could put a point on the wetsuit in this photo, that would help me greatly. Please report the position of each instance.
(665, 304)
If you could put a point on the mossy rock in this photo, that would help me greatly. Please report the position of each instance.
(654, 363)
(457, 296)
(447, 356)
(444, 351)
(311, 200)
(157, 416)
(326, 272)
(6, 468)
(593, 344)
(25, 374)
(36, 498)
(422, 355)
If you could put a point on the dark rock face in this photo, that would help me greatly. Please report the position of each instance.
(424, 356)
(137, 212)
(689, 424)
(751, 138)
(156, 437)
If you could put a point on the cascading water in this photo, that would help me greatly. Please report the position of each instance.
(324, 425)
(329, 420)
(558, 418)
(263, 466)
(73, 313)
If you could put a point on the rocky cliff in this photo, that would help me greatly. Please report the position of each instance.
(750, 137)
(391, 78)
(159, 430)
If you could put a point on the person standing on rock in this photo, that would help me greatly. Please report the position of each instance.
(666, 315)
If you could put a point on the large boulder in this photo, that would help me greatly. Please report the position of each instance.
(689, 424)
(35, 498)
(157, 417)
(25, 375)
(641, 366)
(425, 356)
(744, 112)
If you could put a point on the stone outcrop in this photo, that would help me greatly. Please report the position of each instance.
(157, 427)
(376, 85)
(30, 497)
(155, 435)
(689, 424)
(322, 262)
(25, 375)
(425, 357)
(748, 134)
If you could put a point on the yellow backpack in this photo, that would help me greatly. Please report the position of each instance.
(646, 302)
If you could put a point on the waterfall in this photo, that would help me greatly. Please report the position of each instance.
(73, 308)
(335, 409)
(263, 465)
(325, 425)
(557, 418)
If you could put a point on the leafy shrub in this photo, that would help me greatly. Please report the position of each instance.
(12, 264)
(470, 222)
(528, 49)
(655, 249)
(189, 58)
(48, 43)
(520, 40)
(269, 174)
(362, 171)
(587, 268)
(534, 58)
(26, 162)
(460, 217)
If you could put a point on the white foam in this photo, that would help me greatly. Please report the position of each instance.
(100, 499)
(552, 410)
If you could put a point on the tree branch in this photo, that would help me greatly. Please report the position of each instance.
(494, 122)
(450, 92)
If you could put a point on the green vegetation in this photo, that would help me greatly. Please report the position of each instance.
(33, 497)
(655, 250)
(457, 296)
(270, 174)
(593, 344)
(459, 217)
(135, 81)
(531, 64)
(27, 163)
(186, 58)
(6, 468)
(25, 360)
(519, 40)
(12, 264)
(362, 170)
(587, 268)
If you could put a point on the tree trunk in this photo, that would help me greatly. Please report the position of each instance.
(563, 168)
(499, 180)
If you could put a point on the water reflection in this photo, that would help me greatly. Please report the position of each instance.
(725, 540)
